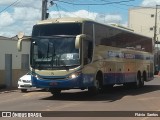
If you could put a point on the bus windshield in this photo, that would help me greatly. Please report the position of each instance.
(57, 29)
(57, 52)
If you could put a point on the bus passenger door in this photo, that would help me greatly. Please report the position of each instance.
(87, 51)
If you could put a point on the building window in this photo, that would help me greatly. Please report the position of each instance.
(151, 28)
(152, 15)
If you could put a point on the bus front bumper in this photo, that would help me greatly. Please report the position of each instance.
(64, 83)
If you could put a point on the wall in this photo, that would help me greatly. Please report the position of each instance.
(142, 20)
(9, 47)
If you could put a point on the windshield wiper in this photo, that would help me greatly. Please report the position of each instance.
(53, 59)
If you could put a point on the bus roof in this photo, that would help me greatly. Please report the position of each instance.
(81, 20)
(64, 20)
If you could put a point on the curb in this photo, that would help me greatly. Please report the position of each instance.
(4, 89)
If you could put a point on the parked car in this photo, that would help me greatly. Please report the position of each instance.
(24, 83)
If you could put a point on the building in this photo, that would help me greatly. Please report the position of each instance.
(13, 64)
(143, 20)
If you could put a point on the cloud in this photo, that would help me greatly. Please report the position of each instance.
(20, 19)
(113, 18)
(23, 18)
(6, 2)
(22, 3)
(79, 13)
(104, 18)
(10, 31)
(37, 4)
(149, 3)
(6, 19)
(23, 13)
(125, 24)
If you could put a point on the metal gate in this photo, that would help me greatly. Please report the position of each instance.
(8, 70)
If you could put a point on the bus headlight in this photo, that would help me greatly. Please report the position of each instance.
(74, 75)
(36, 75)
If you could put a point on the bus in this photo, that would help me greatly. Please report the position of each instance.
(78, 53)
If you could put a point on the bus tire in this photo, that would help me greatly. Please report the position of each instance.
(106, 88)
(142, 82)
(55, 92)
(143, 79)
(94, 89)
(128, 85)
(137, 84)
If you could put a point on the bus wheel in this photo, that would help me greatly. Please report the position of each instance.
(94, 89)
(142, 83)
(55, 92)
(106, 88)
(143, 79)
(137, 84)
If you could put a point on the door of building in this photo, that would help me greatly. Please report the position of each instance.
(8, 70)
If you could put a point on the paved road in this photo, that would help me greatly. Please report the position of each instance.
(117, 99)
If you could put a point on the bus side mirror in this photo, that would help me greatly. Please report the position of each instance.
(20, 38)
(78, 39)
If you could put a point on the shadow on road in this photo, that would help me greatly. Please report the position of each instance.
(111, 95)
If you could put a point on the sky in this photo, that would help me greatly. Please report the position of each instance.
(20, 15)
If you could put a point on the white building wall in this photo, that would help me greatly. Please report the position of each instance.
(142, 20)
(9, 46)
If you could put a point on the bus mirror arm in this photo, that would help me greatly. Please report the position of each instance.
(21, 37)
(19, 45)
(78, 39)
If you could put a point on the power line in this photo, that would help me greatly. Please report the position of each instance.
(58, 10)
(67, 11)
(118, 3)
(138, 7)
(105, 3)
(108, 0)
(122, 4)
(9, 6)
(134, 6)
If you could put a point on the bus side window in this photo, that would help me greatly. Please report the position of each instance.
(88, 51)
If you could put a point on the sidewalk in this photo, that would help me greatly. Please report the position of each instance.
(157, 76)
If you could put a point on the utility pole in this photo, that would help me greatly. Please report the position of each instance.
(155, 26)
(157, 62)
(44, 9)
